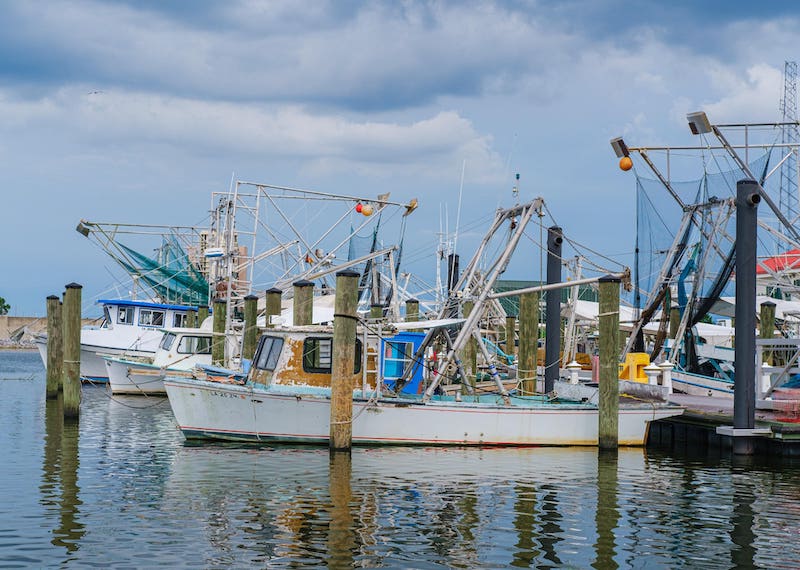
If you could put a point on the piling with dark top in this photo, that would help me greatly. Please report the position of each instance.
(343, 358)
(470, 355)
(55, 347)
(273, 305)
(747, 199)
(218, 339)
(608, 402)
(250, 328)
(303, 311)
(71, 314)
(412, 310)
(552, 350)
(767, 326)
(202, 315)
(528, 341)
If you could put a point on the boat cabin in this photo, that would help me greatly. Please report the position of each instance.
(304, 356)
(141, 314)
(183, 348)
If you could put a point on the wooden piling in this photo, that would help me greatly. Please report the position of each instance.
(767, 327)
(191, 320)
(528, 341)
(608, 416)
(218, 339)
(344, 343)
(303, 310)
(250, 328)
(511, 335)
(674, 322)
(71, 314)
(412, 310)
(470, 355)
(375, 311)
(202, 315)
(273, 305)
(55, 348)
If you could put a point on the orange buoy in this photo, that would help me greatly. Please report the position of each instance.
(625, 163)
(367, 210)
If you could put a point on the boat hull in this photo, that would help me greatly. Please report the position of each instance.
(207, 410)
(93, 367)
(697, 385)
(127, 377)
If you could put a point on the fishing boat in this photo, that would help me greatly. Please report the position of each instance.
(286, 398)
(180, 350)
(129, 328)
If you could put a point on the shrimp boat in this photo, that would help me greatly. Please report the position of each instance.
(180, 350)
(129, 328)
(286, 398)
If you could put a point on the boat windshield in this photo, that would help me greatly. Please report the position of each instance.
(194, 345)
(166, 341)
(269, 349)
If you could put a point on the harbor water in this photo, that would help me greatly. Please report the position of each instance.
(123, 489)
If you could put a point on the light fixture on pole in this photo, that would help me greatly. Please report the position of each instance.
(621, 150)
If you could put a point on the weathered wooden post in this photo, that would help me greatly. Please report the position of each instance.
(528, 341)
(674, 322)
(744, 389)
(71, 314)
(202, 315)
(470, 355)
(767, 327)
(303, 309)
(376, 311)
(552, 347)
(250, 328)
(511, 334)
(412, 310)
(343, 359)
(218, 338)
(55, 347)
(273, 305)
(191, 320)
(608, 404)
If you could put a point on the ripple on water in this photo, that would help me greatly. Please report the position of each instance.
(122, 489)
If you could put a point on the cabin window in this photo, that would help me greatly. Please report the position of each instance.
(397, 358)
(194, 345)
(179, 320)
(269, 348)
(317, 355)
(106, 318)
(166, 341)
(150, 318)
(125, 315)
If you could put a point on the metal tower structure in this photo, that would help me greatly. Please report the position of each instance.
(788, 201)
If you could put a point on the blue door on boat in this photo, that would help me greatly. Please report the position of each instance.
(398, 355)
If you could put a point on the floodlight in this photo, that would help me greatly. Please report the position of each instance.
(620, 148)
(698, 123)
(82, 229)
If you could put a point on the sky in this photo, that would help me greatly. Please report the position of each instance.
(134, 112)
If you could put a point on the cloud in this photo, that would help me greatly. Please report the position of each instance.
(330, 141)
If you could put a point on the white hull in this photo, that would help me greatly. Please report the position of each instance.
(126, 377)
(697, 385)
(211, 410)
(93, 368)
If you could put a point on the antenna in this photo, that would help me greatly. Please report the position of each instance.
(458, 212)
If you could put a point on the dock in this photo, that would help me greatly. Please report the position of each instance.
(777, 432)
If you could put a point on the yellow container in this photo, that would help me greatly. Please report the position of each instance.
(633, 367)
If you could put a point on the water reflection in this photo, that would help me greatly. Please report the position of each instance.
(742, 522)
(341, 535)
(59, 488)
(607, 513)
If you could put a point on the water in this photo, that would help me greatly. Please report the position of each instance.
(124, 490)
